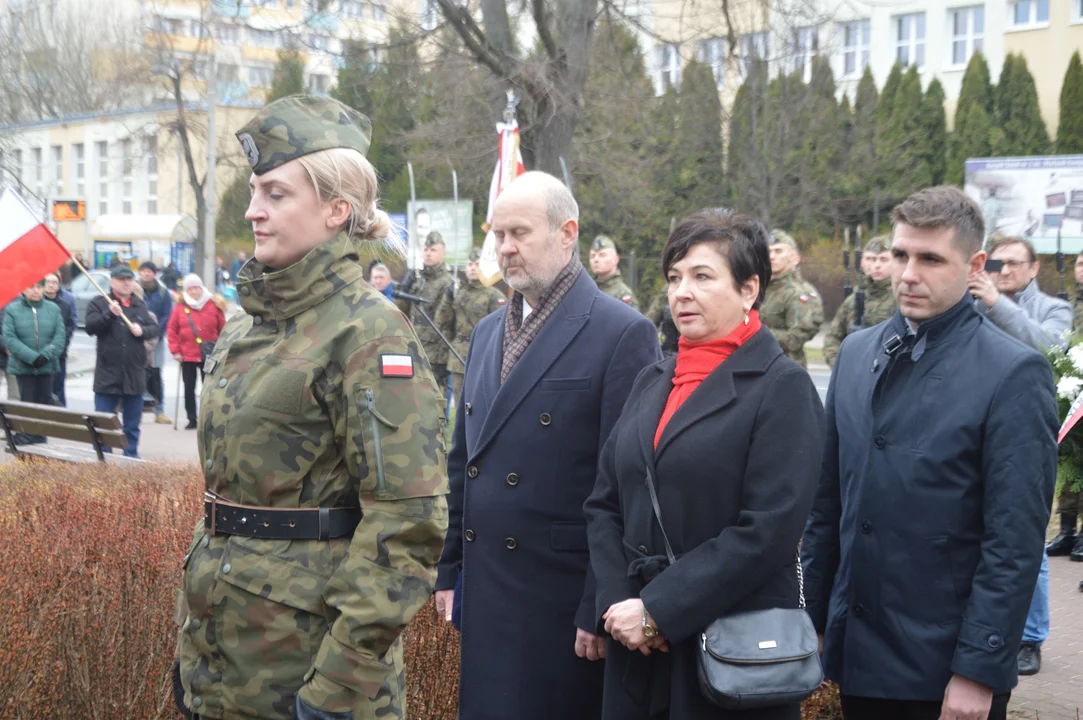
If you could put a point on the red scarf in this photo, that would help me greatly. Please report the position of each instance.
(695, 361)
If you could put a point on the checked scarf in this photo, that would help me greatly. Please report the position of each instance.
(518, 334)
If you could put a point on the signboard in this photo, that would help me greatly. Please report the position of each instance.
(399, 233)
(104, 252)
(454, 223)
(1033, 197)
(69, 210)
(182, 256)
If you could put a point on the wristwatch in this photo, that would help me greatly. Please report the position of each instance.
(648, 629)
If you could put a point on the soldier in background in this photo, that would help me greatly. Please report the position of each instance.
(461, 312)
(321, 439)
(431, 283)
(793, 310)
(879, 298)
(605, 264)
(660, 314)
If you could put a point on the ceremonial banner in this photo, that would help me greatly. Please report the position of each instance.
(509, 165)
(28, 250)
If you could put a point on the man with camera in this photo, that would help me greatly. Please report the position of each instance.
(1007, 293)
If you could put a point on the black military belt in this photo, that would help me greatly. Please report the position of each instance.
(222, 517)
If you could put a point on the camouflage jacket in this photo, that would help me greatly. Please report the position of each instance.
(431, 284)
(1077, 309)
(296, 413)
(793, 311)
(879, 306)
(660, 314)
(615, 287)
(473, 302)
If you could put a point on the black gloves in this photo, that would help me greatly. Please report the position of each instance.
(304, 711)
(450, 292)
(409, 280)
(40, 361)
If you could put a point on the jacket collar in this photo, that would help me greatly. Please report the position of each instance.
(429, 273)
(282, 294)
(878, 290)
(1027, 294)
(716, 392)
(930, 332)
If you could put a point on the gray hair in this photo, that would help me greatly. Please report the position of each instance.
(379, 266)
(944, 207)
(560, 206)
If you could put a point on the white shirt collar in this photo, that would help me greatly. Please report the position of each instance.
(526, 309)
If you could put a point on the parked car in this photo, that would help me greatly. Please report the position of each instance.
(84, 291)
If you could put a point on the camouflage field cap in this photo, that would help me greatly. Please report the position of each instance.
(879, 244)
(299, 125)
(434, 238)
(475, 254)
(603, 242)
(781, 236)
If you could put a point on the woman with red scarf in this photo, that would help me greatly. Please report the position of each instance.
(731, 433)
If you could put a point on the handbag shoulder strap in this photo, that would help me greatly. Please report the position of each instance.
(673, 559)
(188, 313)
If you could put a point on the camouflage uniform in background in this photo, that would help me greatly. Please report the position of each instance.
(660, 314)
(461, 315)
(299, 410)
(1077, 309)
(614, 285)
(431, 283)
(794, 312)
(879, 306)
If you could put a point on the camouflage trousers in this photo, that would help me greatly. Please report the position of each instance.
(1070, 502)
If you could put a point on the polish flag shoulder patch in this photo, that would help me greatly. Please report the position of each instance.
(401, 366)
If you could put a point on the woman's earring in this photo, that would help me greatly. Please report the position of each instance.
(746, 318)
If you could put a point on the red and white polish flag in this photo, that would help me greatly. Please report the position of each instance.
(28, 250)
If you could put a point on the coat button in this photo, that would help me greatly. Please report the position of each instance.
(226, 569)
(859, 610)
(472, 471)
(510, 544)
(257, 320)
(196, 624)
(210, 464)
(880, 442)
(546, 419)
(197, 701)
(643, 549)
(866, 527)
(245, 290)
(513, 479)
(223, 382)
(469, 408)
(469, 535)
(206, 541)
(995, 641)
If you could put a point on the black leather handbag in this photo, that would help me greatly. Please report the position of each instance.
(755, 659)
(206, 349)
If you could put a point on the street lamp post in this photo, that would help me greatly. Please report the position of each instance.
(210, 202)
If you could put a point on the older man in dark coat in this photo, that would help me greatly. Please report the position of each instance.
(546, 378)
(928, 528)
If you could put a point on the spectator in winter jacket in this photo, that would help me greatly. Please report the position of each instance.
(195, 323)
(160, 304)
(35, 336)
(53, 293)
(120, 375)
(10, 381)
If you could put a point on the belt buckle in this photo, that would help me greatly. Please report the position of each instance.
(214, 510)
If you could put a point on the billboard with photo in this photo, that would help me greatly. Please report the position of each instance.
(1035, 197)
(452, 221)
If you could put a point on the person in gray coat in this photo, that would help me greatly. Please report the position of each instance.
(1012, 300)
(926, 535)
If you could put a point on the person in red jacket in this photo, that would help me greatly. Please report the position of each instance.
(196, 321)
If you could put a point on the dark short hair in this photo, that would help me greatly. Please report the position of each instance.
(741, 240)
(148, 265)
(944, 207)
(1005, 240)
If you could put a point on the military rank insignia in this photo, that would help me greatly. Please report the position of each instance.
(804, 299)
(401, 366)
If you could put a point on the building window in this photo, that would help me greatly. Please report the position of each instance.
(228, 74)
(430, 14)
(127, 165)
(102, 148)
(353, 9)
(1026, 13)
(17, 166)
(806, 46)
(318, 84)
(264, 3)
(263, 38)
(967, 33)
(855, 47)
(58, 170)
(712, 53)
(79, 151)
(754, 48)
(260, 76)
(910, 39)
(379, 12)
(197, 29)
(319, 42)
(37, 163)
(168, 26)
(1078, 11)
(229, 34)
(669, 67)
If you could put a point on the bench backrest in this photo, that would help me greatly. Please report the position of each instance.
(63, 424)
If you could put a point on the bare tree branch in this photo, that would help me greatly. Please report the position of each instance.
(545, 33)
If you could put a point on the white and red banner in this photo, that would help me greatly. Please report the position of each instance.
(28, 250)
(509, 165)
(1074, 414)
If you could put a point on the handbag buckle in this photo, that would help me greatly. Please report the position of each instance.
(768, 645)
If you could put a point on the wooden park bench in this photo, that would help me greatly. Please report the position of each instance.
(100, 430)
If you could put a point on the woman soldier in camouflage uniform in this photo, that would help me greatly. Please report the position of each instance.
(321, 438)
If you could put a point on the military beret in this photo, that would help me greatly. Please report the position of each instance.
(120, 272)
(475, 254)
(299, 125)
(879, 244)
(603, 242)
(781, 236)
(434, 238)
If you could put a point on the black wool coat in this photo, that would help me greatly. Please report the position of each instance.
(523, 459)
(122, 357)
(736, 471)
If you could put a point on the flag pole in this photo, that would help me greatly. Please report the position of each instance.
(99, 289)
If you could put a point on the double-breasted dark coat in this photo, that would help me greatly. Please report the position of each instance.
(523, 459)
(735, 471)
(925, 540)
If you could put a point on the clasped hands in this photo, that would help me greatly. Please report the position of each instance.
(624, 621)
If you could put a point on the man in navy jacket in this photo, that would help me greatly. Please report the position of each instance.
(928, 529)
